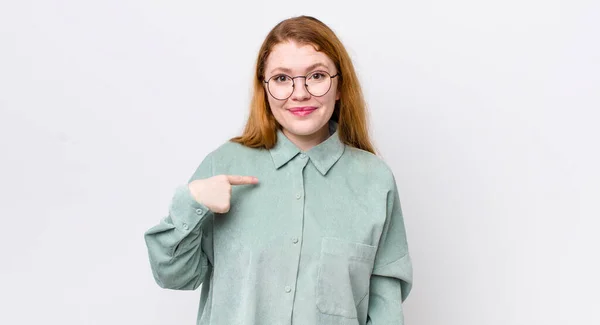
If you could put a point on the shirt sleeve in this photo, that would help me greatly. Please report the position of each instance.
(391, 279)
(177, 245)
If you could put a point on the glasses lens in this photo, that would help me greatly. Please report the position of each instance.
(318, 83)
(281, 86)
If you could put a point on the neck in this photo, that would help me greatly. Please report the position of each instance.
(306, 142)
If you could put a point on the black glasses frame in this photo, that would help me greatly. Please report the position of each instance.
(305, 85)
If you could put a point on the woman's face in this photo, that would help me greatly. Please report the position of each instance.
(301, 114)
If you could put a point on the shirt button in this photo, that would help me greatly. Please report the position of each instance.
(295, 240)
(288, 289)
(303, 156)
(199, 211)
(298, 196)
(185, 226)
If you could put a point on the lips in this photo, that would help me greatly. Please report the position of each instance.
(302, 109)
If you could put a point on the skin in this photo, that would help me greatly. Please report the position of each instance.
(215, 192)
(294, 60)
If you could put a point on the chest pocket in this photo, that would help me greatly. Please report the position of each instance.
(344, 276)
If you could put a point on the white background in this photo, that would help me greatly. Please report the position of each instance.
(487, 112)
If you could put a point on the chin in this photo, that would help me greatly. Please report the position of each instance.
(303, 129)
(302, 132)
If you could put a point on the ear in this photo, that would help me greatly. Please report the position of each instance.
(337, 95)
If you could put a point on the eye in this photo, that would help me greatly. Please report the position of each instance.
(280, 78)
(317, 75)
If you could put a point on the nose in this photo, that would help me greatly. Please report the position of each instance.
(300, 92)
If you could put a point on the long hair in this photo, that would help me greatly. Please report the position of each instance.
(349, 111)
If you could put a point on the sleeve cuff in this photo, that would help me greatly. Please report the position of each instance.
(186, 212)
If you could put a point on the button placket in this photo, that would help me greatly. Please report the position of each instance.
(300, 197)
(295, 232)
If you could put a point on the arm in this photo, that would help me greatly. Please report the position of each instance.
(391, 279)
(175, 245)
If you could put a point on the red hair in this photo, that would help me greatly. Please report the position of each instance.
(350, 109)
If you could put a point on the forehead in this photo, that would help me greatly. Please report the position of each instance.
(295, 57)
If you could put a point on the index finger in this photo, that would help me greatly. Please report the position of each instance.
(241, 180)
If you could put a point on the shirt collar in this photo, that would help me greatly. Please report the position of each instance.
(323, 156)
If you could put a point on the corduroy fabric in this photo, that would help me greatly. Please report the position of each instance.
(320, 240)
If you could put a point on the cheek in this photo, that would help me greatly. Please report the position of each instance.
(276, 106)
(273, 104)
(328, 100)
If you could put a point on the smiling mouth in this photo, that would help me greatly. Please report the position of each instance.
(302, 111)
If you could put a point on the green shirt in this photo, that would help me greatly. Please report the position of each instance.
(319, 240)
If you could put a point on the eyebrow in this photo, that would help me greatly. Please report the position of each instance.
(316, 65)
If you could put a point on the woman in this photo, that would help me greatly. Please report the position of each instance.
(296, 221)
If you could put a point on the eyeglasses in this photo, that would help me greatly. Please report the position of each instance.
(281, 86)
